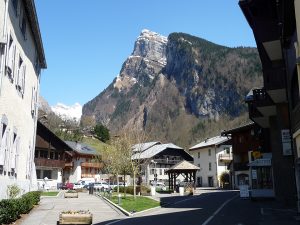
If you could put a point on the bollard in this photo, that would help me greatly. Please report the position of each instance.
(119, 199)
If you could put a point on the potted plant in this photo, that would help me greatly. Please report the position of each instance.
(71, 194)
(76, 217)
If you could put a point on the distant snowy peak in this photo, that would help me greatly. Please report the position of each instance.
(68, 112)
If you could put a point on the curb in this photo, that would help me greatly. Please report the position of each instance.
(115, 205)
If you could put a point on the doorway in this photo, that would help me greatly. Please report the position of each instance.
(210, 181)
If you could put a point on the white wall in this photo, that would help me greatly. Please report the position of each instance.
(17, 108)
(203, 162)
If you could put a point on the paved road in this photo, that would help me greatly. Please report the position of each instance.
(183, 210)
(47, 212)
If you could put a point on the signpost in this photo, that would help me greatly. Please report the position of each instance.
(286, 142)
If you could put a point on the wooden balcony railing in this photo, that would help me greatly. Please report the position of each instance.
(167, 161)
(92, 165)
(49, 163)
(225, 157)
(69, 164)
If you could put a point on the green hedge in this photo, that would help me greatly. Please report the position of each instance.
(129, 189)
(11, 209)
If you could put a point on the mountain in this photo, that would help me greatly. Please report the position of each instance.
(72, 112)
(178, 89)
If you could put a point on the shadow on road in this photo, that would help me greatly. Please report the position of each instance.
(179, 210)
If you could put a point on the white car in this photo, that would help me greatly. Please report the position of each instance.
(77, 186)
(101, 185)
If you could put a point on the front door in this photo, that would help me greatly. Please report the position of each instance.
(199, 181)
(210, 181)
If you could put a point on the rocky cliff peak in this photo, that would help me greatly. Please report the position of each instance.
(145, 62)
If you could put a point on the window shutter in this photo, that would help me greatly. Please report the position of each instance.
(17, 154)
(13, 152)
(6, 147)
(2, 140)
(23, 78)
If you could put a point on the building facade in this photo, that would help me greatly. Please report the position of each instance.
(21, 60)
(276, 105)
(157, 158)
(212, 156)
(82, 163)
(49, 157)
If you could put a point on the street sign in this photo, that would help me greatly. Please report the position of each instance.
(244, 191)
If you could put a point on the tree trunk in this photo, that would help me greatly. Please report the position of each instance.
(118, 189)
(134, 186)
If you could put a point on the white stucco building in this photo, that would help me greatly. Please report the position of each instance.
(156, 158)
(213, 156)
(21, 60)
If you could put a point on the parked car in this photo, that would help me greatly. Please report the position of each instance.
(85, 181)
(101, 186)
(121, 183)
(159, 185)
(68, 186)
(78, 186)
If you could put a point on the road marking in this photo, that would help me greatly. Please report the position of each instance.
(218, 210)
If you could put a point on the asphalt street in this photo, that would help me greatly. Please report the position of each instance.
(181, 210)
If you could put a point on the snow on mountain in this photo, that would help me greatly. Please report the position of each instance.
(68, 112)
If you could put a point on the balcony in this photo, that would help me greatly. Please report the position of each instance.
(92, 165)
(274, 82)
(226, 158)
(240, 166)
(168, 161)
(42, 162)
(69, 164)
(87, 175)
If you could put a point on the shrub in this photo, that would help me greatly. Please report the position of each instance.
(129, 189)
(11, 209)
(13, 191)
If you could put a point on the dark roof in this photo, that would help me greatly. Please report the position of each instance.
(42, 130)
(238, 129)
(34, 25)
(81, 148)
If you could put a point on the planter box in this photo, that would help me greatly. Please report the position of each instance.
(76, 218)
(71, 195)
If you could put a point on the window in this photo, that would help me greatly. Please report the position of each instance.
(209, 152)
(43, 154)
(20, 83)
(160, 172)
(3, 142)
(38, 174)
(10, 60)
(13, 152)
(209, 166)
(198, 155)
(48, 174)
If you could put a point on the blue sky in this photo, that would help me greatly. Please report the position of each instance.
(86, 41)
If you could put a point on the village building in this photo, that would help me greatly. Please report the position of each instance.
(275, 106)
(247, 142)
(212, 155)
(82, 163)
(49, 158)
(21, 60)
(157, 158)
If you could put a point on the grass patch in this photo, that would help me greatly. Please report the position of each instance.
(139, 204)
(49, 193)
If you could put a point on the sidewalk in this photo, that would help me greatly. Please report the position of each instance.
(47, 213)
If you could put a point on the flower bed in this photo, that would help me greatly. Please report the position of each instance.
(71, 194)
(76, 217)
